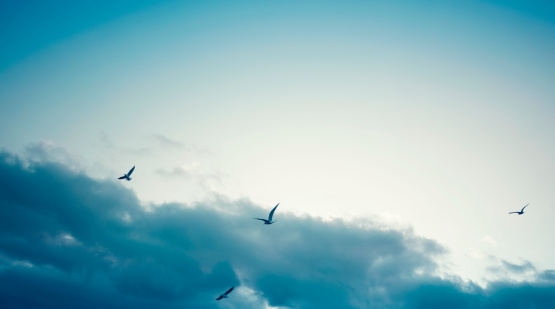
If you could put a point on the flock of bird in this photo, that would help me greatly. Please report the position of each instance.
(269, 221)
(266, 221)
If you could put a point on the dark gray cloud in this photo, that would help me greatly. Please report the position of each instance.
(504, 268)
(547, 275)
(71, 241)
(515, 268)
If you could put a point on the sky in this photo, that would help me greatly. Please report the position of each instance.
(396, 137)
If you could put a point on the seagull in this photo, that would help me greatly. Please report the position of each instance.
(519, 212)
(224, 295)
(127, 176)
(269, 221)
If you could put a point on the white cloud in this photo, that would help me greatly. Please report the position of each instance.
(488, 239)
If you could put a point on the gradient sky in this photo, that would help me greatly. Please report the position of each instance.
(431, 120)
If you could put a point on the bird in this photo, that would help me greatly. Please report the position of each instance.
(224, 295)
(269, 221)
(128, 175)
(519, 212)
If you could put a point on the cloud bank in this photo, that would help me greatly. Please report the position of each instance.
(70, 241)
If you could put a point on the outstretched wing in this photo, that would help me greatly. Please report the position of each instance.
(229, 291)
(524, 207)
(122, 177)
(260, 219)
(514, 212)
(272, 213)
(219, 298)
(131, 170)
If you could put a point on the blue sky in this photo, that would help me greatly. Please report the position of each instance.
(430, 120)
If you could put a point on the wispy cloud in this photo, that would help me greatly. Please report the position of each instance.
(178, 171)
(104, 250)
(106, 141)
(167, 142)
(205, 180)
(488, 239)
(147, 145)
(516, 268)
(171, 144)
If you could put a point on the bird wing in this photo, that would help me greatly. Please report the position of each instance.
(122, 177)
(272, 213)
(524, 207)
(260, 219)
(219, 298)
(131, 170)
(514, 212)
(229, 291)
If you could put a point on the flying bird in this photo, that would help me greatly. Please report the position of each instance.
(224, 295)
(519, 212)
(269, 221)
(128, 175)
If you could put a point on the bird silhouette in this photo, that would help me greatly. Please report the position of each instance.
(519, 212)
(128, 175)
(224, 295)
(269, 221)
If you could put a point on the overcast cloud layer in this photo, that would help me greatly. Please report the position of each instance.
(70, 241)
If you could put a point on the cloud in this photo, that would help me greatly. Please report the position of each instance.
(167, 142)
(170, 144)
(75, 242)
(525, 267)
(105, 141)
(508, 269)
(476, 254)
(178, 171)
(488, 239)
(47, 150)
(547, 275)
(193, 171)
